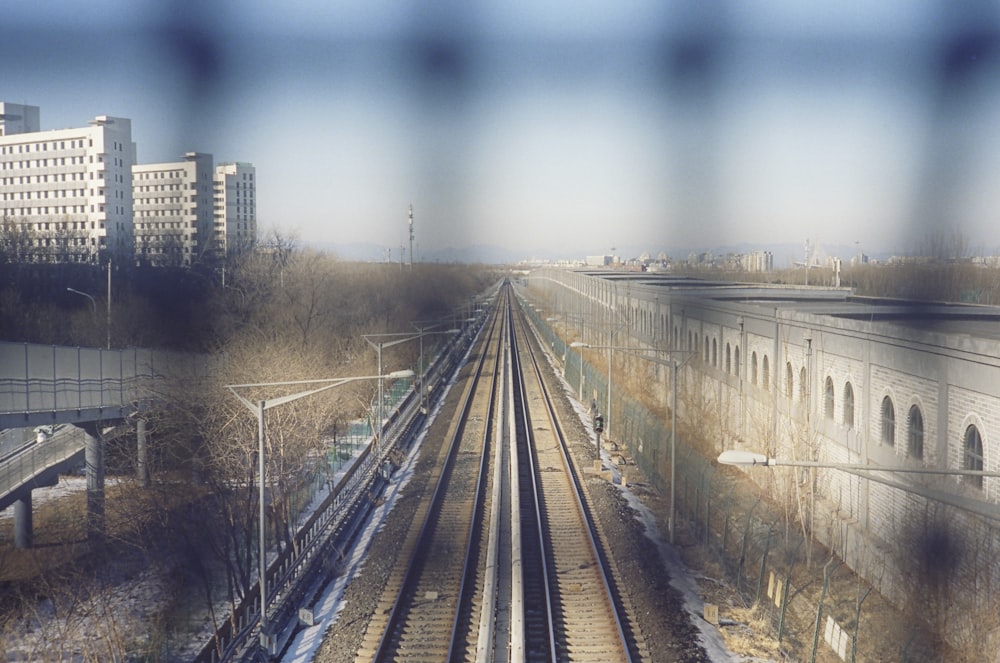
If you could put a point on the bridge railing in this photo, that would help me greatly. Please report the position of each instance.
(33, 460)
(45, 378)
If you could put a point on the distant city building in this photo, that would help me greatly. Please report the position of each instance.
(65, 194)
(235, 208)
(598, 261)
(174, 210)
(760, 261)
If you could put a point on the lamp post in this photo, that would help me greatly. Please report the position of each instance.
(93, 302)
(420, 366)
(751, 459)
(675, 366)
(577, 320)
(258, 407)
(610, 348)
(379, 344)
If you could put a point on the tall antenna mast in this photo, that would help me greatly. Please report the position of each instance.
(808, 259)
(411, 235)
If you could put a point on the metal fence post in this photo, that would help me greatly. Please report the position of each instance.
(763, 563)
(743, 550)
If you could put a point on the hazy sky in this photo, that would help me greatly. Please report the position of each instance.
(576, 125)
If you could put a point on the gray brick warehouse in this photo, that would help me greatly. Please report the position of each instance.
(816, 374)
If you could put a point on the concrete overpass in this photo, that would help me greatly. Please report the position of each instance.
(70, 396)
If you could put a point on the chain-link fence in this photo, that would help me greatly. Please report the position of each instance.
(813, 602)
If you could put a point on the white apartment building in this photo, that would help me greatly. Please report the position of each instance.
(65, 194)
(173, 210)
(77, 195)
(235, 207)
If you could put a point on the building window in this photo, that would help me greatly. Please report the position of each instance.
(715, 352)
(753, 367)
(915, 433)
(736, 361)
(849, 405)
(828, 398)
(729, 359)
(802, 384)
(973, 456)
(765, 371)
(789, 381)
(888, 422)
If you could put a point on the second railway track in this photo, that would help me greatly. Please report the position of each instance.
(502, 561)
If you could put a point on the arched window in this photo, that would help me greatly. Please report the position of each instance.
(715, 352)
(888, 422)
(736, 361)
(729, 359)
(753, 367)
(802, 384)
(972, 458)
(706, 348)
(789, 381)
(849, 405)
(915, 433)
(828, 398)
(765, 372)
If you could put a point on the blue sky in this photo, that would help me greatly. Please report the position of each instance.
(556, 126)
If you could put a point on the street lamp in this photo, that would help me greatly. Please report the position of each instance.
(93, 302)
(675, 366)
(401, 337)
(610, 348)
(751, 459)
(420, 366)
(258, 407)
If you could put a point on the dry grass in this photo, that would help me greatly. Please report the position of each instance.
(132, 517)
(747, 631)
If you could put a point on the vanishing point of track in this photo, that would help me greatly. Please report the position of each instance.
(502, 561)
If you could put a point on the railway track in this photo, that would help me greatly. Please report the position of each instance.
(502, 561)
(419, 616)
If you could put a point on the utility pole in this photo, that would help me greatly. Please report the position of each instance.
(411, 236)
(109, 304)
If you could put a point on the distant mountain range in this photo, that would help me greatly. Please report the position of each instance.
(480, 253)
(785, 255)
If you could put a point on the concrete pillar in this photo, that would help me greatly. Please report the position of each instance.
(94, 455)
(142, 460)
(23, 538)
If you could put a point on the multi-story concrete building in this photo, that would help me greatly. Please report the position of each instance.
(760, 261)
(235, 208)
(909, 390)
(78, 195)
(19, 119)
(174, 212)
(65, 194)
